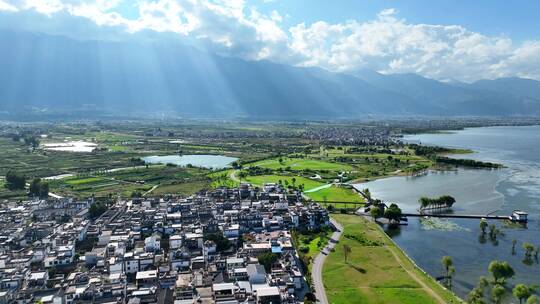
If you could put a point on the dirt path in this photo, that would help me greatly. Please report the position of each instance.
(150, 191)
(415, 276)
(233, 176)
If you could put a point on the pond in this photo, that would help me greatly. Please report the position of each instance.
(204, 161)
(71, 146)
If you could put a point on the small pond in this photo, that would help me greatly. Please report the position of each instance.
(204, 161)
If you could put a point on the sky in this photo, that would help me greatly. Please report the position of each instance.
(460, 40)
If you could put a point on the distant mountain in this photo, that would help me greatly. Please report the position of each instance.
(505, 96)
(55, 74)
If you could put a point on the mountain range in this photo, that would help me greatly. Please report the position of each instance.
(54, 73)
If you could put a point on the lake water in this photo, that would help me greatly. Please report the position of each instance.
(204, 161)
(476, 192)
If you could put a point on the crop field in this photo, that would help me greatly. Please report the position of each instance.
(376, 271)
(168, 179)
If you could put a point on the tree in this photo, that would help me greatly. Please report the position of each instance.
(375, 212)
(38, 188)
(529, 249)
(367, 194)
(34, 187)
(501, 271)
(448, 266)
(346, 251)
(267, 259)
(514, 242)
(97, 209)
(330, 208)
(534, 299)
(497, 292)
(522, 292)
(15, 180)
(393, 213)
(476, 296)
(222, 243)
(43, 190)
(483, 225)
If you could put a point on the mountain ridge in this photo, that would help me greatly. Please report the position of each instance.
(59, 73)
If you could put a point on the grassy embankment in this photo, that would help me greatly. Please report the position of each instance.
(376, 271)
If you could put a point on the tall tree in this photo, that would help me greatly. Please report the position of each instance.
(483, 225)
(448, 266)
(497, 293)
(501, 271)
(522, 292)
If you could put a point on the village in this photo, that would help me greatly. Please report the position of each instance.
(219, 246)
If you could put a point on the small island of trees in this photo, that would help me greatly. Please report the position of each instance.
(442, 202)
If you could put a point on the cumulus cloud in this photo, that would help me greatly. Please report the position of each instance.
(386, 44)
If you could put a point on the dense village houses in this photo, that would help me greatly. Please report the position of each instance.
(200, 249)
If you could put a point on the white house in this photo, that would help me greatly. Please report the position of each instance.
(152, 243)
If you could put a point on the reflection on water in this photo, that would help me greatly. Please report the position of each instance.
(476, 192)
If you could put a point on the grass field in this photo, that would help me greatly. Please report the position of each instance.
(373, 273)
(335, 194)
(259, 180)
(297, 164)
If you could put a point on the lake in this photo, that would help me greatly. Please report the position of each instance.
(477, 192)
(204, 161)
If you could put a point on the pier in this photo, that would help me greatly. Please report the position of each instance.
(516, 216)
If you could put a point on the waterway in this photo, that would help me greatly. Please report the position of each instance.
(477, 192)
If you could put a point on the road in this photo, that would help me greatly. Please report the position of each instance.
(318, 263)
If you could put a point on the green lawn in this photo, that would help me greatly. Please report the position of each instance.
(372, 274)
(259, 180)
(297, 164)
(81, 181)
(335, 194)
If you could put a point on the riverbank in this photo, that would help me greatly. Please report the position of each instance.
(376, 270)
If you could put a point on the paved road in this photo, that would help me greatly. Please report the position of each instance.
(318, 262)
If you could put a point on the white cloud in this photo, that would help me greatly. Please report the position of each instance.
(231, 27)
(4, 6)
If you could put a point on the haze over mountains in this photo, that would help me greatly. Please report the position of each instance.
(53, 73)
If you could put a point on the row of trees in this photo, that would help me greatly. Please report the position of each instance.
(445, 201)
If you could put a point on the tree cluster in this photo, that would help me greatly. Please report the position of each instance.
(15, 180)
(445, 201)
(39, 188)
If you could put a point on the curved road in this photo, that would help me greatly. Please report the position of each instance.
(318, 262)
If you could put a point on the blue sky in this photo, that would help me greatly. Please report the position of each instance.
(441, 39)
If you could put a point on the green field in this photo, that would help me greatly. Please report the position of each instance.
(260, 180)
(297, 164)
(376, 271)
(335, 194)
